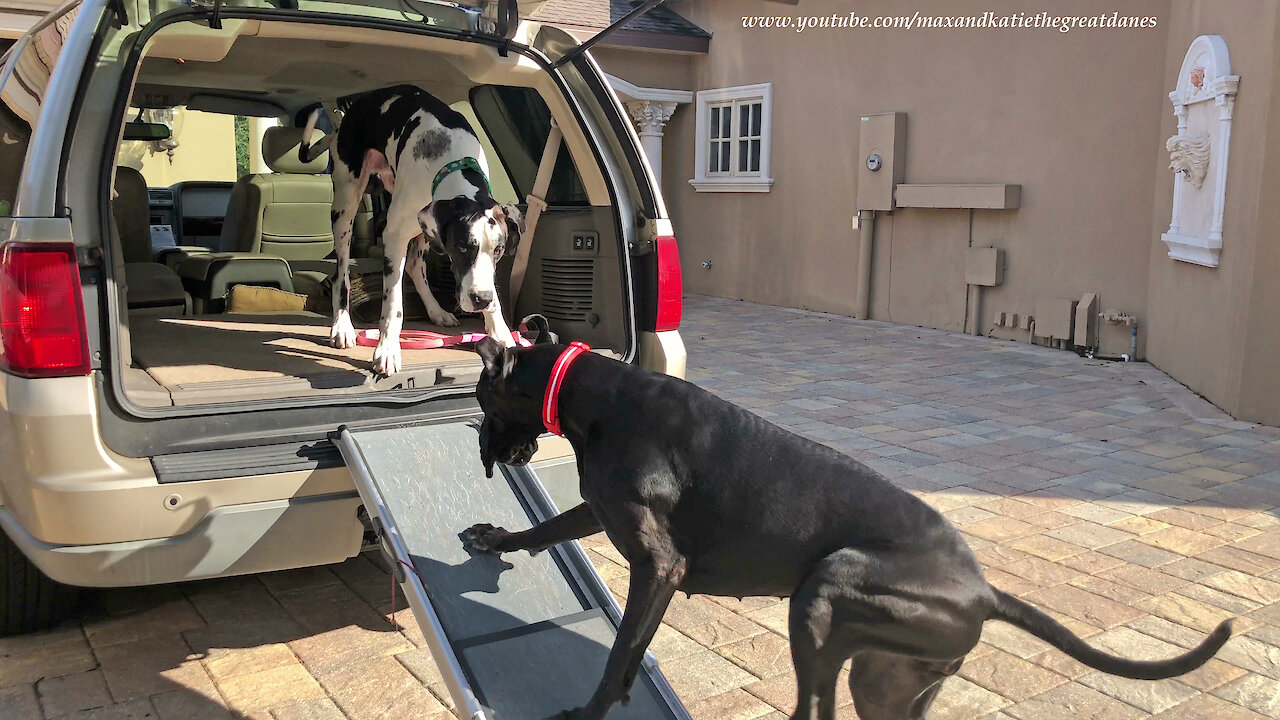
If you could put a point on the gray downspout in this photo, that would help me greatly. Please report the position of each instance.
(866, 238)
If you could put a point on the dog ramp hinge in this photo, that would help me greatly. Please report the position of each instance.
(384, 543)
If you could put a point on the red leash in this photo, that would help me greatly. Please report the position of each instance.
(427, 340)
(551, 400)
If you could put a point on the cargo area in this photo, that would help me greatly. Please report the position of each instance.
(210, 195)
(205, 358)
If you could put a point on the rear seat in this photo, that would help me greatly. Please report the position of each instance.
(282, 216)
(150, 286)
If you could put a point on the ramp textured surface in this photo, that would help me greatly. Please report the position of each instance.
(531, 640)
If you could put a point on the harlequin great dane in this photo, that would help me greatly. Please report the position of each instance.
(428, 158)
(702, 496)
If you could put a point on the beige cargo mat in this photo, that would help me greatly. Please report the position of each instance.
(219, 358)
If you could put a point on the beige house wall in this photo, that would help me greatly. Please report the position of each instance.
(669, 71)
(1073, 118)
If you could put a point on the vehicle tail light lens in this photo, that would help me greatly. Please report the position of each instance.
(41, 312)
(670, 285)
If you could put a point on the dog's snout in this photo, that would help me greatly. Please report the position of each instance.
(481, 299)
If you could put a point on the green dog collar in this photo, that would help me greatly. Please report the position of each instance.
(466, 163)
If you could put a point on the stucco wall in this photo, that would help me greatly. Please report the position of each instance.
(670, 71)
(1074, 118)
(1214, 328)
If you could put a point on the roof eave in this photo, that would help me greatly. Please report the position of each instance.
(659, 42)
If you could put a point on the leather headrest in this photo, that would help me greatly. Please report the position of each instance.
(280, 151)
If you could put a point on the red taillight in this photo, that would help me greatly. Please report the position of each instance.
(670, 285)
(41, 313)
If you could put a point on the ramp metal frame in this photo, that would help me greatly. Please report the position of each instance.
(416, 593)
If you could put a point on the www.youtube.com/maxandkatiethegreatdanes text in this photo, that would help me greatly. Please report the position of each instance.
(918, 21)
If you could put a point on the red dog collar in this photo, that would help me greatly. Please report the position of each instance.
(551, 401)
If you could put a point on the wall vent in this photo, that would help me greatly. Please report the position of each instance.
(567, 288)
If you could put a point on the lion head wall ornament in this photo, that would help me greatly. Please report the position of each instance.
(1204, 103)
(1189, 157)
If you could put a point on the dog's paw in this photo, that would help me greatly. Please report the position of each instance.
(484, 538)
(386, 359)
(445, 319)
(342, 334)
(574, 714)
(505, 340)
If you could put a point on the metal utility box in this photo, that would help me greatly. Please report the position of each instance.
(1055, 318)
(1087, 321)
(984, 266)
(882, 160)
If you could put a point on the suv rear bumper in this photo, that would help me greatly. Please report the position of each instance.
(229, 540)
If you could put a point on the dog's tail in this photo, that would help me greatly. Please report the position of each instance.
(307, 152)
(1014, 611)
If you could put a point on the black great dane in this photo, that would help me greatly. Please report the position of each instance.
(702, 496)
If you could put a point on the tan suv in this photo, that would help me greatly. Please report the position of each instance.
(168, 390)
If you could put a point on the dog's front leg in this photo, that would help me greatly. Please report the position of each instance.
(386, 356)
(654, 581)
(570, 525)
(347, 191)
(416, 268)
(496, 326)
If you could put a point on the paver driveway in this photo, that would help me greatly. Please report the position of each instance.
(1106, 494)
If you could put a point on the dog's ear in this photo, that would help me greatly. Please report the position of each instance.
(499, 361)
(539, 324)
(432, 219)
(515, 225)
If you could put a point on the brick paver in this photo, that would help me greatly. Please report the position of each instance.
(1130, 509)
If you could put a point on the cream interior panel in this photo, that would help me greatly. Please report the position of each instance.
(198, 42)
(478, 64)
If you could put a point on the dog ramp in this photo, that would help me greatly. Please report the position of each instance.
(517, 637)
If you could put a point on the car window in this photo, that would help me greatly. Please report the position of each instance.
(503, 190)
(201, 146)
(518, 122)
(22, 86)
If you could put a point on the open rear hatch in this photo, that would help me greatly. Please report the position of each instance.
(494, 17)
(250, 54)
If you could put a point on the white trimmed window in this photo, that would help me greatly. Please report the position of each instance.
(733, 126)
